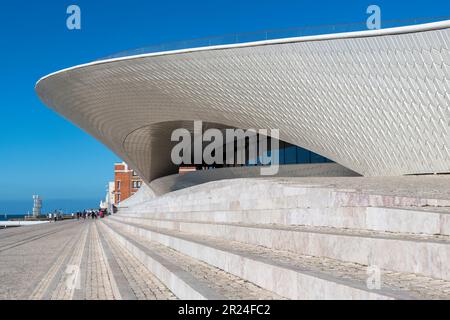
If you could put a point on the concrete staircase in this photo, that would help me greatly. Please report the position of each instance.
(266, 239)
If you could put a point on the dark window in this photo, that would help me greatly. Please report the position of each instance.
(137, 184)
(290, 155)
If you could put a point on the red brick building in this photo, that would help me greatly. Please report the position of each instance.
(126, 182)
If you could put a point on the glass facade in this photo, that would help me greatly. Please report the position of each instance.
(291, 154)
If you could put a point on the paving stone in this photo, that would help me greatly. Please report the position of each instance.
(34, 262)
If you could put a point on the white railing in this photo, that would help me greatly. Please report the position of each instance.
(268, 35)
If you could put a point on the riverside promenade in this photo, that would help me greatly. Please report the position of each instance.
(301, 239)
(71, 260)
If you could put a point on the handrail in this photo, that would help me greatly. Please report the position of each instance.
(262, 35)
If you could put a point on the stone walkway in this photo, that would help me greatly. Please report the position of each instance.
(71, 261)
(118, 260)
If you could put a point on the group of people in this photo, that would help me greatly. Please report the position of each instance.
(55, 216)
(92, 214)
(86, 214)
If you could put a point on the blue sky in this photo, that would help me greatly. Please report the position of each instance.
(42, 153)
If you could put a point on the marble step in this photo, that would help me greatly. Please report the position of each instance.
(187, 278)
(426, 255)
(288, 274)
(338, 191)
(433, 221)
(328, 199)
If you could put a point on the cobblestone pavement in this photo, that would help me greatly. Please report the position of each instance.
(28, 253)
(71, 260)
(144, 285)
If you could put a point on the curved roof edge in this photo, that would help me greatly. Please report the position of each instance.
(345, 35)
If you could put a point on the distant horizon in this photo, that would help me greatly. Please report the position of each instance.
(24, 206)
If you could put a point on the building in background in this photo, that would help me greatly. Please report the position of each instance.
(37, 206)
(326, 97)
(376, 103)
(109, 198)
(126, 182)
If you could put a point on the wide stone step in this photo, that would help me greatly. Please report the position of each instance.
(426, 255)
(402, 220)
(341, 191)
(288, 274)
(230, 204)
(187, 278)
(315, 200)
